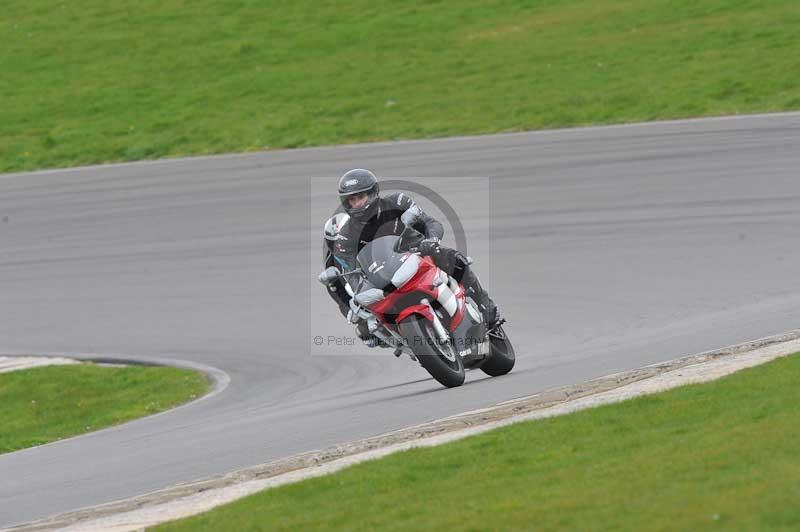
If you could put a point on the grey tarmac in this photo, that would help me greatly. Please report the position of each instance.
(608, 249)
(192, 498)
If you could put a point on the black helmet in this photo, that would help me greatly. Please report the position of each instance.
(359, 181)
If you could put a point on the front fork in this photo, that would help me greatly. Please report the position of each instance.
(395, 339)
(441, 332)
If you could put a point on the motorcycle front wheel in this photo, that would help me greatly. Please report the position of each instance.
(439, 359)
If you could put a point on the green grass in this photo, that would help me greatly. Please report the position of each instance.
(96, 81)
(50, 403)
(722, 455)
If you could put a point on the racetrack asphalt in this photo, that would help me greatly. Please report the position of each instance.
(607, 249)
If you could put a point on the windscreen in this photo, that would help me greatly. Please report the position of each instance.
(379, 261)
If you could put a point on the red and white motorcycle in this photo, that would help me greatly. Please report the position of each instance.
(414, 306)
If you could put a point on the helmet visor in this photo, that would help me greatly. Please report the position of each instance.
(358, 202)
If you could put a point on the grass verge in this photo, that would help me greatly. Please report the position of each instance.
(97, 81)
(45, 404)
(721, 455)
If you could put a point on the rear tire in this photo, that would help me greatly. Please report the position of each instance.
(501, 354)
(422, 339)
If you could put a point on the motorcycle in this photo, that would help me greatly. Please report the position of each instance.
(418, 309)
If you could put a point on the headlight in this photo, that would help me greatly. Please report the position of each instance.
(369, 297)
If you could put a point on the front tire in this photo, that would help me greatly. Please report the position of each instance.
(502, 357)
(441, 361)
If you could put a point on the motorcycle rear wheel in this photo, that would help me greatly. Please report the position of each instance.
(501, 359)
(441, 361)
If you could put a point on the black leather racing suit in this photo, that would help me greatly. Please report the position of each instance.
(345, 236)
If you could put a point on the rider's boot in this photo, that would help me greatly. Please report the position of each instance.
(373, 341)
(456, 264)
(362, 331)
(485, 304)
(369, 339)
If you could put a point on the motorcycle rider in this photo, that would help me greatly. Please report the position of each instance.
(364, 215)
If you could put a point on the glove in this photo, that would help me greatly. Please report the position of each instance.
(429, 246)
(409, 240)
(329, 275)
(452, 261)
